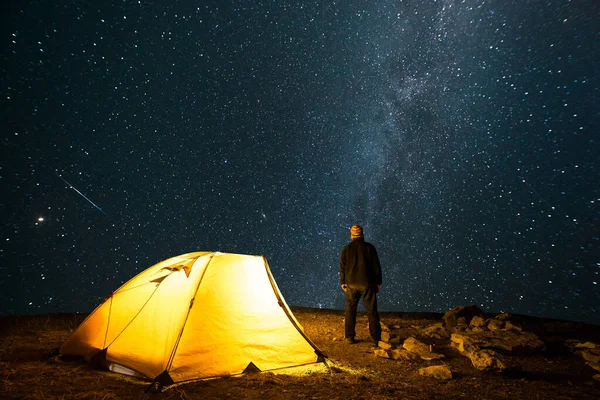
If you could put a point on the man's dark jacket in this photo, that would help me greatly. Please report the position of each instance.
(359, 265)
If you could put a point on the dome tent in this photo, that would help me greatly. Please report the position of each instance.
(194, 316)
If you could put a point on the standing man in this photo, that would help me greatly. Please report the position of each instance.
(360, 276)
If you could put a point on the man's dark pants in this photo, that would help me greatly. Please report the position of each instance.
(370, 301)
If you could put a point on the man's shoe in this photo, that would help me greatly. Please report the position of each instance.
(350, 340)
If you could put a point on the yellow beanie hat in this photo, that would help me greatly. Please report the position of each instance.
(356, 231)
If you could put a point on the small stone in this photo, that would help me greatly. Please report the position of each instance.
(586, 345)
(384, 345)
(402, 354)
(478, 329)
(381, 353)
(386, 336)
(440, 372)
(596, 377)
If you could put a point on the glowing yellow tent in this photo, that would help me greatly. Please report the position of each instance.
(195, 316)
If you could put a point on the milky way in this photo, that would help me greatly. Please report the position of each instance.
(461, 134)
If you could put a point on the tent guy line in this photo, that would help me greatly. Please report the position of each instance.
(81, 194)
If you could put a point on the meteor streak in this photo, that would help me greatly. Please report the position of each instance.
(81, 194)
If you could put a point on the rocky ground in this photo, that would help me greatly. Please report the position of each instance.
(464, 354)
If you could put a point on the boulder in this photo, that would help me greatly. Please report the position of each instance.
(436, 331)
(402, 354)
(441, 372)
(589, 351)
(503, 321)
(495, 324)
(502, 341)
(586, 345)
(512, 326)
(483, 359)
(482, 347)
(503, 317)
(591, 355)
(421, 349)
(451, 317)
(396, 354)
(486, 360)
(477, 321)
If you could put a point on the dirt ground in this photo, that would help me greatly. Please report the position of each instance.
(29, 368)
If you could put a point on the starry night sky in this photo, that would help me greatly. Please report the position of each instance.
(463, 135)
